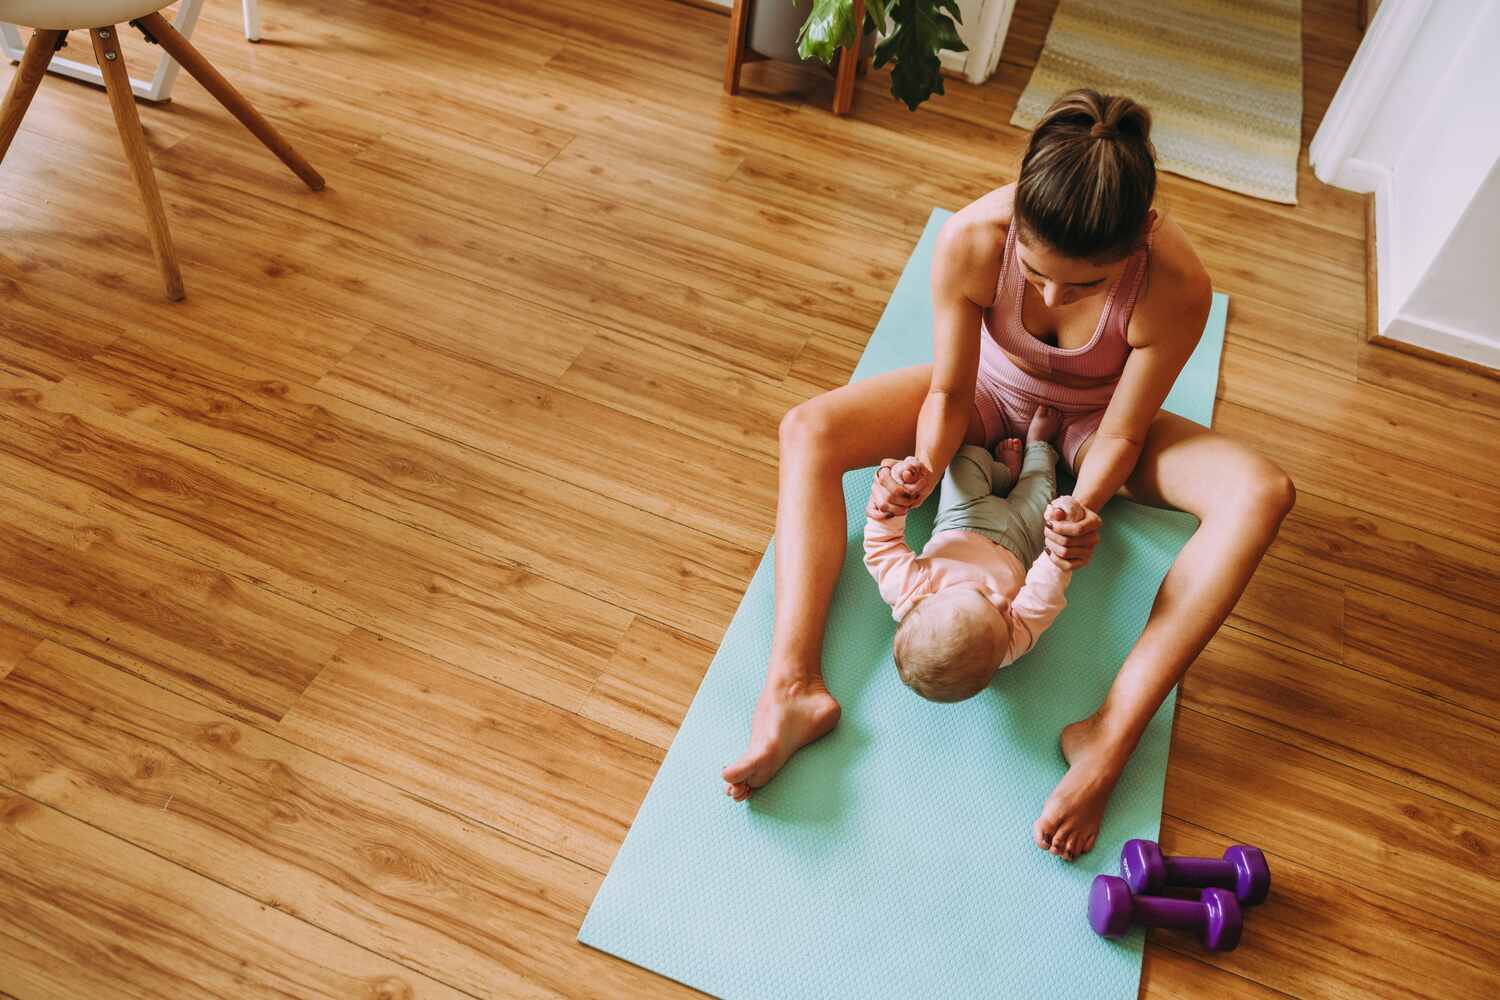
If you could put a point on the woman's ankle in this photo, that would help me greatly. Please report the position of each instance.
(793, 675)
(1112, 733)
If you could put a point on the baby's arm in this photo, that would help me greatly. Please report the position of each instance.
(887, 556)
(1039, 602)
(1041, 598)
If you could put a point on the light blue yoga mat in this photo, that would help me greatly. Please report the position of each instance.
(893, 858)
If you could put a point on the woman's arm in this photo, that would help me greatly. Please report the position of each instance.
(944, 418)
(1164, 334)
(1149, 373)
(955, 347)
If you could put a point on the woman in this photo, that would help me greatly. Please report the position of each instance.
(1064, 288)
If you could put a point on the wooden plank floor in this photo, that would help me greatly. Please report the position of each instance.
(347, 608)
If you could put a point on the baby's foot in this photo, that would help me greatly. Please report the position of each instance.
(1008, 454)
(1044, 424)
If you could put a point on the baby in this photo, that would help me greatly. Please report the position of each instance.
(963, 607)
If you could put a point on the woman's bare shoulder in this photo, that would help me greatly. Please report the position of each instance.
(1174, 265)
(1177, 285)
(972, 242)
(985, 215)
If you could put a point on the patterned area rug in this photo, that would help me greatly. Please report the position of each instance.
(1223, 80)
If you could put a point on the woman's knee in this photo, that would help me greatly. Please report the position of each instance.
(1285, 494)
(1264, 493)
(806, 430)
(856, 425)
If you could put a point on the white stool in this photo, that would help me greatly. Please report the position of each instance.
(53, 19)
(159, 87)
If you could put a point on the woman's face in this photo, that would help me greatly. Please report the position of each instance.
(1060, 280)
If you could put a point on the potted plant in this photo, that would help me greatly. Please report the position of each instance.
(915, 31)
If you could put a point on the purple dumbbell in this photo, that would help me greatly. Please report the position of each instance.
(1242, 870)
(1216, 913)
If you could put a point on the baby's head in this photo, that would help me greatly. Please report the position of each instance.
(949, 645)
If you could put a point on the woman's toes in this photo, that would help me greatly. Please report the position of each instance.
(1041, 834)
(1062, 841)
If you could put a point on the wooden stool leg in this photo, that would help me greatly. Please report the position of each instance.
(843, 94)
(122, 102)
(734, 57)
(23, 85)
(192, 60)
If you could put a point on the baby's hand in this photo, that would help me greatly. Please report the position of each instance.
(1072, 531)
(1065, 509)
(909, 471)
(899, 485)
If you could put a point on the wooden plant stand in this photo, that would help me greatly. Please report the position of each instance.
(737, 55)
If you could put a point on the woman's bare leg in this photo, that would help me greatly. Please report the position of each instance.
(849, 428)
(1240, 499)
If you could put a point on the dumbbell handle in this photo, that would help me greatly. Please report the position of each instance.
(1164, 911)
(1199, 872)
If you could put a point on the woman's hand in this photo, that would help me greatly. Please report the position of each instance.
(1072, 531)
(899, 486)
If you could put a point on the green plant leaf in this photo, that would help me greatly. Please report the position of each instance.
(829, 27)
(921, 29)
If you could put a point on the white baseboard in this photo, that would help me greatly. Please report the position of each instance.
(1362, 91)
(1359, 175)
(1433, 336)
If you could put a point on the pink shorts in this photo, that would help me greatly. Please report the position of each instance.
(1006, 397)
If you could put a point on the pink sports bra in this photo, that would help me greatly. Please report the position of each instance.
(1104, 355)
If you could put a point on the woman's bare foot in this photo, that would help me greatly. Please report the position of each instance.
(1044, 424)
(1070, 819)
(1008, 454)
(786, 719)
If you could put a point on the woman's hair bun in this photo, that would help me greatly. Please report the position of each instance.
(1084, 198)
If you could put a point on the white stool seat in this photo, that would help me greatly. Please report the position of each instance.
(66, 15)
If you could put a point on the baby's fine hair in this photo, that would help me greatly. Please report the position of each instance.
(945, 661)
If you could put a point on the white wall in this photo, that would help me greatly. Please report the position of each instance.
(1417, 121)
(1450, 147)
(1455, 306)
